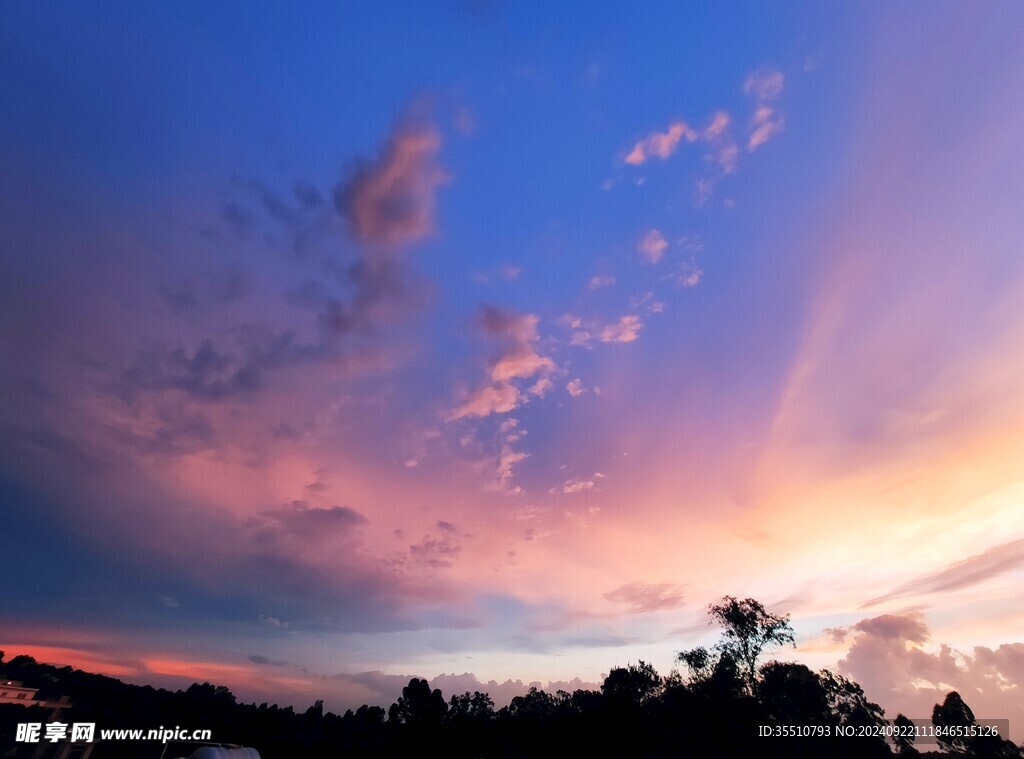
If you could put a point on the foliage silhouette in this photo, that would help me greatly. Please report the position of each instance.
(904, 742)
(715, 709)
(749, 631)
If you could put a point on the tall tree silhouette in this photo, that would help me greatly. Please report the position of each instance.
(905, 740)
(952, 714)
(749, 631)
(956, 719)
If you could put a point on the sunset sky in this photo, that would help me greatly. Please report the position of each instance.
(494, 341)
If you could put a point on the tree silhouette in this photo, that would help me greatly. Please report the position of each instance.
(632, 685)
(418, 706)
(698, 661)
(793, 694)
(473, 707)
(749, 631)
(716, 711)
(535, 706)
(905, 743)
(846, 700)
(952, 713)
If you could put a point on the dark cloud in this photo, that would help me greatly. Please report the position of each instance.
(212, 372)
(180, 296)
(436, 553)
(307, 195)
(258, 659)
(302, 521)
(389, 202)
(177, 429)
(238, 220)
(963, 574)
(228, 283)
(379, 294)
(276, 206)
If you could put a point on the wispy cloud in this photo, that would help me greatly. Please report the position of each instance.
(719, 123)
(685, 274)
(578, 485)
(644, 598)
(764, 86)
(963, 574)
(581, 332)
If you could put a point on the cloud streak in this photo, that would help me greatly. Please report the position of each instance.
(967, 573)
(645, 598)
(764, 87)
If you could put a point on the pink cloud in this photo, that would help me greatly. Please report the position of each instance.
(718, 125)
(390, 201)
(726, 157)
(541, 387)
(499, 398)
(518, 359)
(643, 598)
(625, 330)
(888, 662)
(763, 126)
(660, 144)
(578, 485)
(764, 86)
(686, 274)
(909, 627)
(652, 246)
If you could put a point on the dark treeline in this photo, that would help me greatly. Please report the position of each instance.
(716, 706)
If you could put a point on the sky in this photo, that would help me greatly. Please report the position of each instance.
(491, 342)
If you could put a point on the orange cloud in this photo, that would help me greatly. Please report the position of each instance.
(90, 661)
